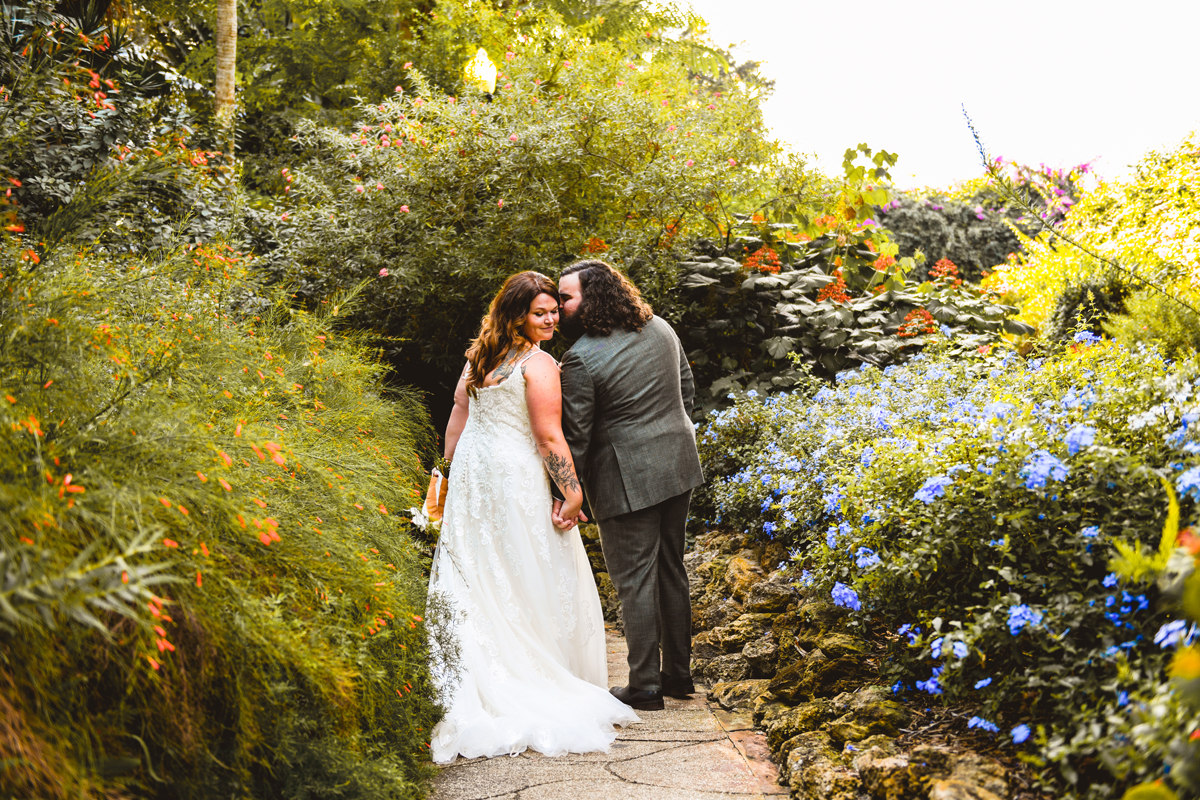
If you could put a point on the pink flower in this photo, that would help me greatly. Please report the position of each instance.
(403, 209)
(711, 107)
(500, 204)
(359, 189)
(510, 55)
(284, 218)
(691, 163)
(379, 186)
(620, 83)
(408, 65)
(567, 64)
(733, 162)
(512, 138)
(383, 273)
(399, 89)
(666, 103)
(670, 127)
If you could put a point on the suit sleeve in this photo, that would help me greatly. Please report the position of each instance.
(578, 407)
(687, 383)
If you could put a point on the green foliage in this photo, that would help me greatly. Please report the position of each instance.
(93, 139)
(219, 490)
(585, 155)
(970, 507)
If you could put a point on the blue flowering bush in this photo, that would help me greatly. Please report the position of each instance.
(966, 511)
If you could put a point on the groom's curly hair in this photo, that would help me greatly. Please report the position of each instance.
(608, 299)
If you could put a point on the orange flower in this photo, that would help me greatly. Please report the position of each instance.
(170, 543)
(225, 484)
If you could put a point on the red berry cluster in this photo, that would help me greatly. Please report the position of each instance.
(835, 291)
(764, 259)
(918, 322)
(945, 269)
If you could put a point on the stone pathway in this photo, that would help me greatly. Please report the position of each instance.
(688, 751)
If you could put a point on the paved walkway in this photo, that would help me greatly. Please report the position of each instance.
(689, 751)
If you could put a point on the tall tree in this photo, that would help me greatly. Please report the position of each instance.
(226, 65)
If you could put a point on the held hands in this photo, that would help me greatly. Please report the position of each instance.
(567, 516)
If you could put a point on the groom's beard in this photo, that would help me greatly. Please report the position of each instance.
(570, 326)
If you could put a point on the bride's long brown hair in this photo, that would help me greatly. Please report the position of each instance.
(501, 328)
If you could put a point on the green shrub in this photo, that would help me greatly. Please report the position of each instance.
(221, 494)
(588, 154)
(967, 508)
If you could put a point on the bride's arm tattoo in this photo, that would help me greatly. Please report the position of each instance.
(561, 471)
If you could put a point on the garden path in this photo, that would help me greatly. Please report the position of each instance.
(688, 751)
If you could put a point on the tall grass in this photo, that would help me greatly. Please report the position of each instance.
(208, 585)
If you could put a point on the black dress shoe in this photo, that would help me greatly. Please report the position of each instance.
(682, 689)
(641, 700)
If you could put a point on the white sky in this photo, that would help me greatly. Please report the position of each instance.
(1058, 82)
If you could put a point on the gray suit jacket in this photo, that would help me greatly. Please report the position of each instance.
(627, 404)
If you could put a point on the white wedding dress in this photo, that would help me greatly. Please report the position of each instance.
(532, 669)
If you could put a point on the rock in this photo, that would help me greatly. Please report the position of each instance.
(734, 636)
(867, 712)
(815, 773)
(704, 648)
(954, 789)
(737, 695)
(609, 602)
(726, 669)
(707, 617)
(769, 597)
(883, 745)
(741, 576)
(766, 707)
(760, 654)
(833, 645)
(803, 718)
(886, 775)
(774, 556)
(712, 573)
(817, 676)
(802, 749)
(931, 758)
(973, 776)
(820, 615)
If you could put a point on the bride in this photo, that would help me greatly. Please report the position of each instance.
(526, 616)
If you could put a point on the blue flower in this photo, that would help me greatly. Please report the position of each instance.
(1189, 483)
(1086, 338)
(960, 649)
(983, 724)
(996, 542)
(933, 488)
(931, 686)
(1042, 467)
(1091, 531)
(846, 597)
(935, 648)
(867, 558)
(983, 683)
(1079, 437)
(947, 331)
(831, 537)
(769, 529)
(751, 393)
(1174, 633)
(1021, 615)
(1123, 698)
(1110, 580)
(1020, 733)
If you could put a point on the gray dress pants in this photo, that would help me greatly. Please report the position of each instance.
(644, 554)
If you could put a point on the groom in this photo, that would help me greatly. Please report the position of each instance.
(627, 395)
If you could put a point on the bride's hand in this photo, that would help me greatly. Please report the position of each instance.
(571, 514)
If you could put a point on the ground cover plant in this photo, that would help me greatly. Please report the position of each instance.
(208, 584)
(967, 510)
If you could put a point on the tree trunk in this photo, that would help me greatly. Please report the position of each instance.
(226, 65)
